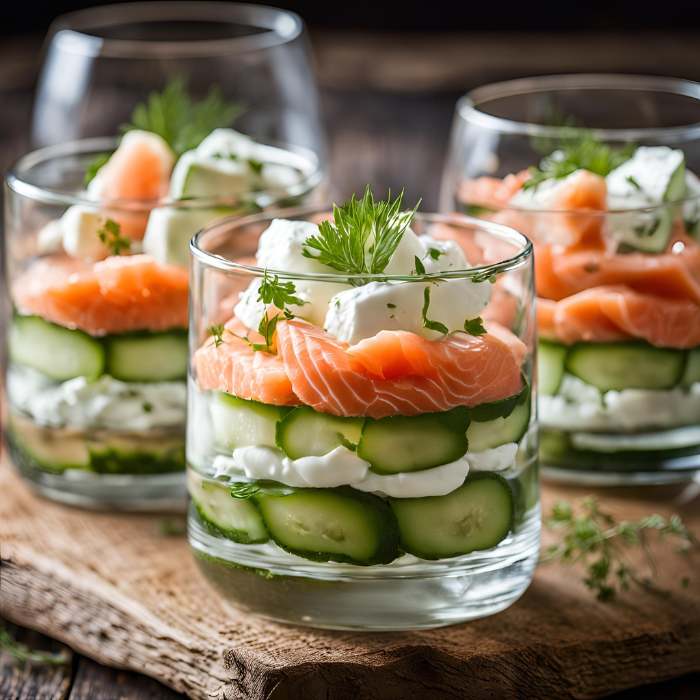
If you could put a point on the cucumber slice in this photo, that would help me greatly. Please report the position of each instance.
(52, 449)
(526, 490)
(56, 352)
(675, 439)
(207, 176)
(239, 423)
(156, 357)
(618, 366)
(497, 409)
(648, 232)
(305, 433)
(486, 436)
(400, 444)
(476, 516)
(340, 524)
(691, 374)
(130, 457)
(550, 366)
(223, 515)
(553, 447)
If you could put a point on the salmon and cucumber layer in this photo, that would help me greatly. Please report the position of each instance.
(617, 270)
(357, 420)
(98, 339)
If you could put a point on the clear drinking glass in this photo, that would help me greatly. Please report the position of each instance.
(617, 260)
(331, 483)
(96, 378)
(101, 62)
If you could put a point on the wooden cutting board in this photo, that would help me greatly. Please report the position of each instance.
(113, 588)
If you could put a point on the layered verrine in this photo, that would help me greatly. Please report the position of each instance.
(361, 440)
(98, 279)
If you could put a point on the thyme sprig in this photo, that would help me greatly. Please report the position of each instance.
(599, 541)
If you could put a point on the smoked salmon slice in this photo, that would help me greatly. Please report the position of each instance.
(398, 373)
(234, 367)
(120, 294)
(561, 273)
(606, 314)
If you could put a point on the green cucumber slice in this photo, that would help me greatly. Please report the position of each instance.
(691, 374)
(476, 516)
(402, 444)
(500, 431)
(223, 515)
(633, 365)
(550, 366)
(305, 433)
(55, 351)
(340, 524)
(239, 422)
(526, 490)
(52, 449)
(675, 439)
(155, 357)
(647, 231)
(134, 457)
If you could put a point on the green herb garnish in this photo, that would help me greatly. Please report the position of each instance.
(255, 165)
(427, 323)
(109, 234)
(475, 327)
(278, 293)
(578, 149)
(23, 653)
(96, 164)
(391, 306)
(434, 253)
(633, 182)
(598, 540)
(420, 268)
(218, 332)
(342, 244)
(181, 121)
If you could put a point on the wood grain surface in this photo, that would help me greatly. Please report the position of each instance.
(113, 588)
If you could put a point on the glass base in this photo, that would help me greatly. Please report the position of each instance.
(130, 492)
(409, 594)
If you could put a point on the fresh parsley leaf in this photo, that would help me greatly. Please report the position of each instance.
(434, 253)
(218, 332)
(427, 323)
(278, 293)
(363, 236)
(181, 121)
(267, 328)
(94, 166)
(578, 149)
(597, 540)
(391, 306)
(420, 268)
(109, 234)
(474, 326)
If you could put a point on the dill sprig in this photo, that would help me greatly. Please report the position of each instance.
(109, 234)
(577, 149)
(182, 122)
(218, 332)
(363, 236)
(23, 653)
(599, 541)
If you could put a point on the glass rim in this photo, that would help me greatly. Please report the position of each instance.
(468, 105)
(100, 144)
(499, 231)
(70, 31)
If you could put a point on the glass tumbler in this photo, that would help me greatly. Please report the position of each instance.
(599, 171)
(97, 339)
(345, 472)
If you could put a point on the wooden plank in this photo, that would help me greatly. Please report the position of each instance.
(31, 680)
(112, 588)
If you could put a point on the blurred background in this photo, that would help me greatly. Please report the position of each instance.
(390, 72)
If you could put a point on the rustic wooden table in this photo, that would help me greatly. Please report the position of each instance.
(388, 103)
